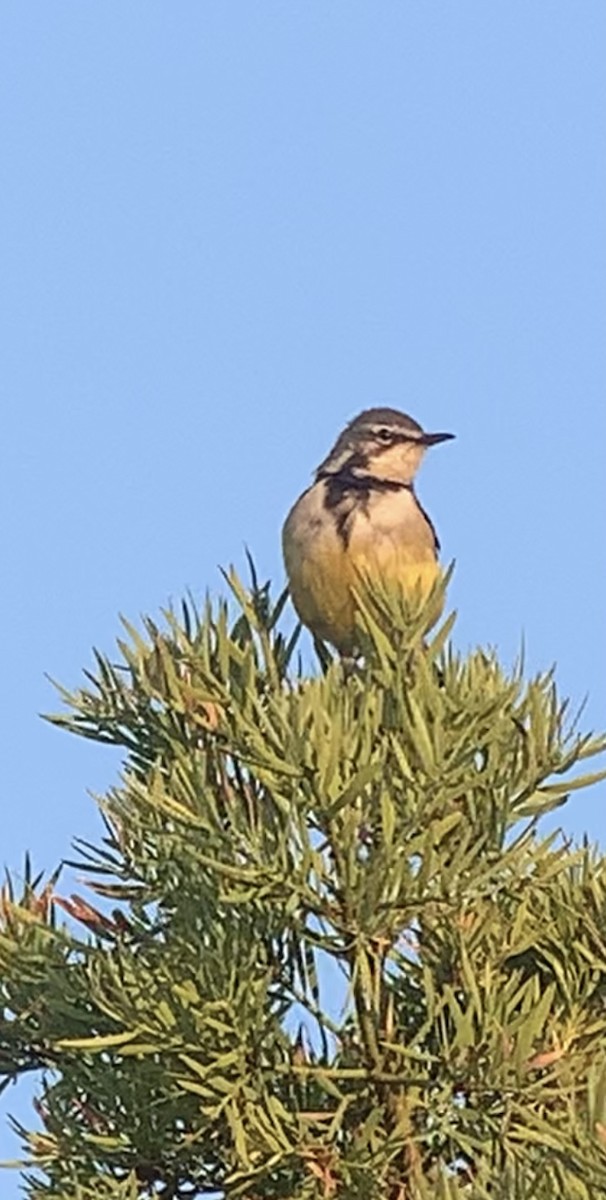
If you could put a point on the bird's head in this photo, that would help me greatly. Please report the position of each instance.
(380, 443)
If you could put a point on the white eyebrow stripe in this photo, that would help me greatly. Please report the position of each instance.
(404, 435)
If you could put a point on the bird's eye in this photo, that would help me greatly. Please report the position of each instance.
(384, 435)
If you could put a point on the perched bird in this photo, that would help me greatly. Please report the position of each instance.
(360, 519)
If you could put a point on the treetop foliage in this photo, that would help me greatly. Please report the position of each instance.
(325, 948)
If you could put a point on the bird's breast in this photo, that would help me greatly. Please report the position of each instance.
(329, 545)
(391, 524)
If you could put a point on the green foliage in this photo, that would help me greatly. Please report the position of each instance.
(333, 954)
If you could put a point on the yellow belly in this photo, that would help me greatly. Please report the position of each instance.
(321, 581)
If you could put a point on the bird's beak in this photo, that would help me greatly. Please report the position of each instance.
(432, 439)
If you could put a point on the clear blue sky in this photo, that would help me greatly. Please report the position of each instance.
(226, 228)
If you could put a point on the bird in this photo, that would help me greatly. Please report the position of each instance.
(361, 519)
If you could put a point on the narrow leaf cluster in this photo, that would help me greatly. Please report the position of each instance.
(325, 948)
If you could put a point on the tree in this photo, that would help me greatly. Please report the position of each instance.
(326, 949)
